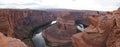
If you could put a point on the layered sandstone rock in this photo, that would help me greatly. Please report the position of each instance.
(117, 17)
(59, 35)
(10, 42)
(103, 31)
(4, 28)
(6, 24)
(78, 40)
(114, 36)
(92, 34)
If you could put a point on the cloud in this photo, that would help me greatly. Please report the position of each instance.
(19, 4)
(118, 4)
(106, 5)
(17, 1)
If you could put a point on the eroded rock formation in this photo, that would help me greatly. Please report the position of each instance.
(103, 31)
(114, 36)
(59, 35)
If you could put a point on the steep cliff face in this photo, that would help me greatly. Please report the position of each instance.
(27, 24)
(19, 23)
(10, 18)
(103, 31)
(114, 36)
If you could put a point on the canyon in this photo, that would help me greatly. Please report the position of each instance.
(23, 24)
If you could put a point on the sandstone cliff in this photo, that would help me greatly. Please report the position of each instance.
(103, 31)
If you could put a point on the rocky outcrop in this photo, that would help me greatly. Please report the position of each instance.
(114, 36)
(96, 32)
(103, 31)
(59, 35)
(4, 26)
(10, 42)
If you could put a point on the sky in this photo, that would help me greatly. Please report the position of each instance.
(101, 5)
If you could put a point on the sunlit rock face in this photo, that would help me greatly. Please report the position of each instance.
(6, 23)
(113, 38)
(4, 26)
(103, 31)
(10, 42)
(60, 33)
